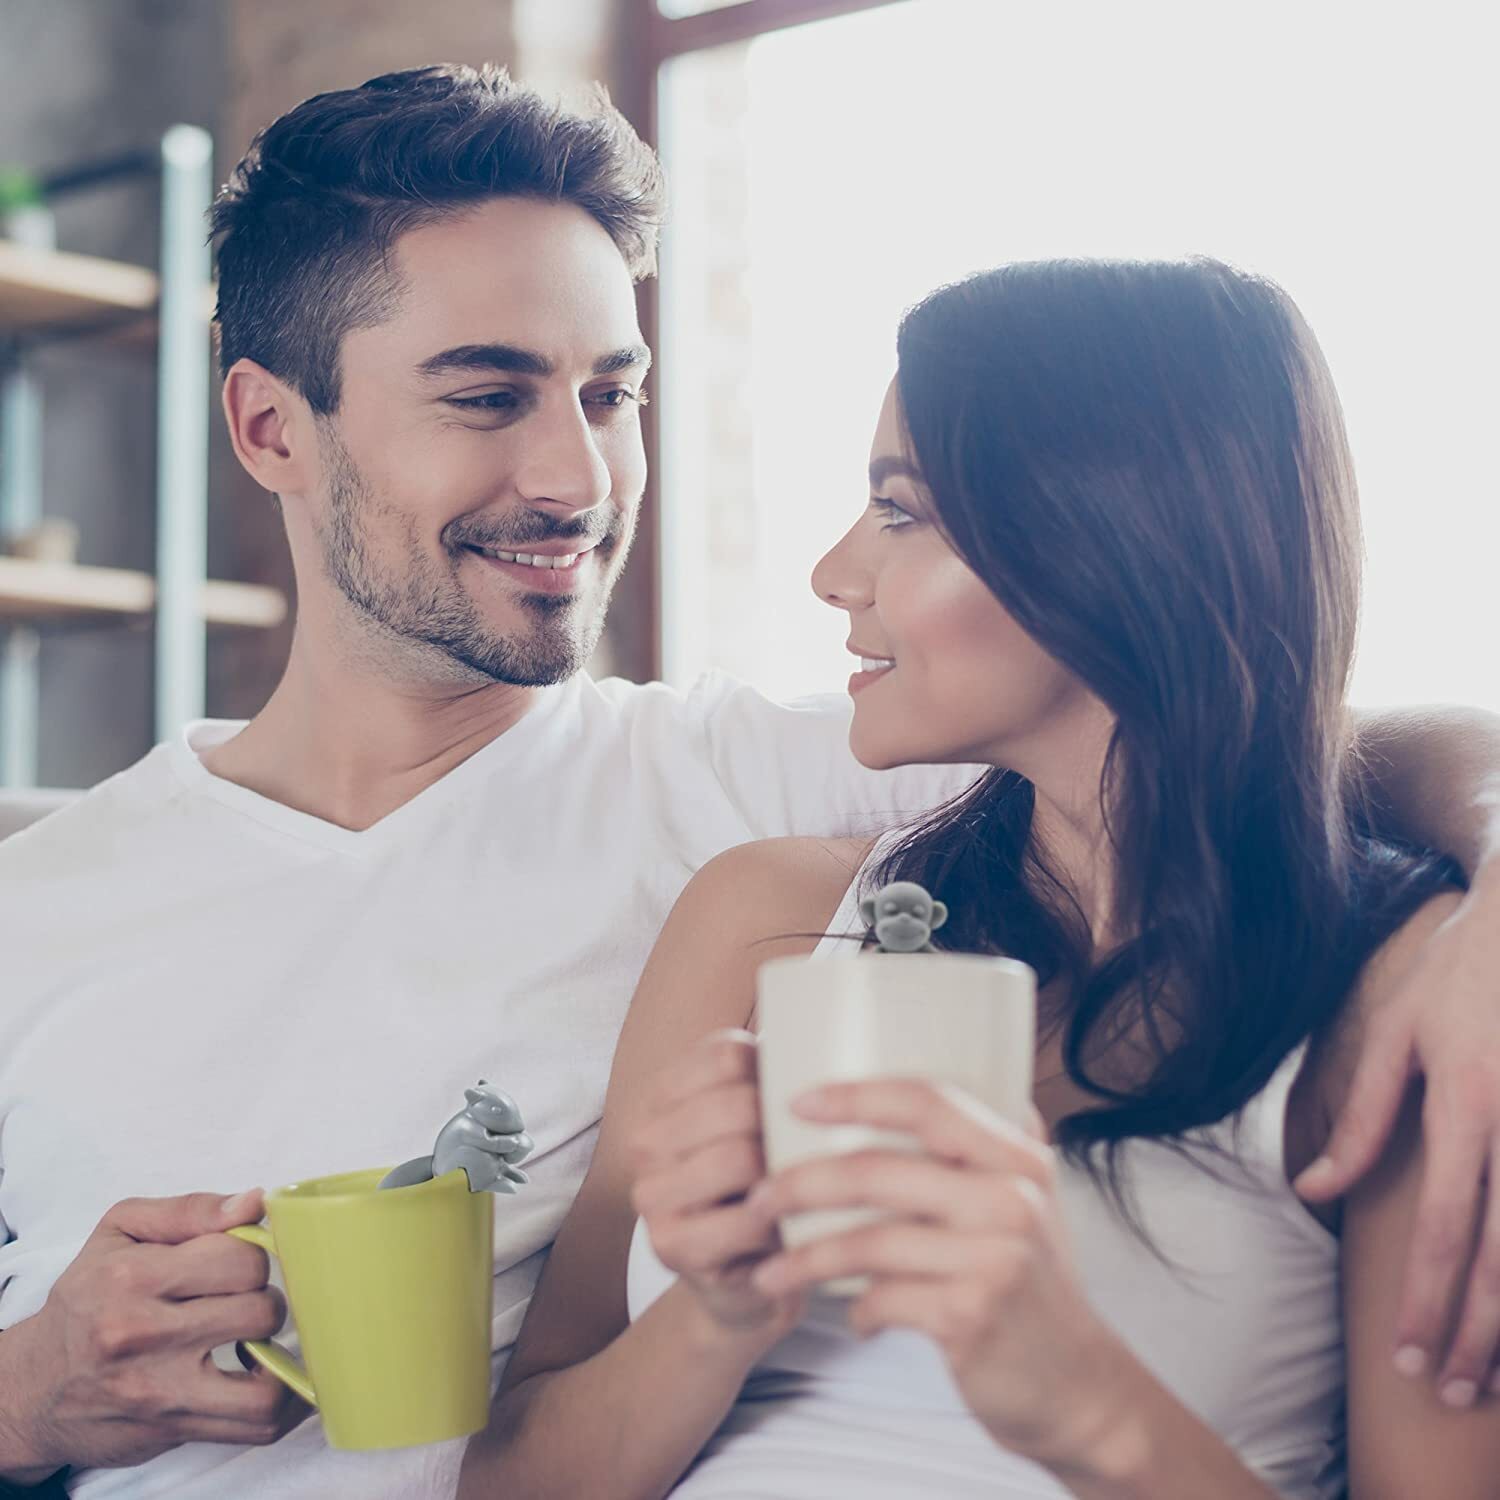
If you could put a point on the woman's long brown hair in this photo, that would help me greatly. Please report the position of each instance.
(1146, 463)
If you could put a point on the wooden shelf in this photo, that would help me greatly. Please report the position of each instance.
(53, 291)
(47, 289)
(37, 593)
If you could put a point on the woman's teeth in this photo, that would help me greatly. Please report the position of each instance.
(874, 663)
(531, 560)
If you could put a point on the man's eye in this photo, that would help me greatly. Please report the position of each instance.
(890, 513)
(489, 401)
(619, 397)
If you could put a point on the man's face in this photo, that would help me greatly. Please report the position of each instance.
(495, 416)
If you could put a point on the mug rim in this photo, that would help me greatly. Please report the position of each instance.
(305, 1190)
(1017, 967)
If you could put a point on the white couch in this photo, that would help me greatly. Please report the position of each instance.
(17, 809)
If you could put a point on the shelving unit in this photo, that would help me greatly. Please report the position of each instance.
(49, 291)
(58, 594)
(48, 295)
(53, 294)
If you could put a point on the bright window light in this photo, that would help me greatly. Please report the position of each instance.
(825, 177)
(672, 9)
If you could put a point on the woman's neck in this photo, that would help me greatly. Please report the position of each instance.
(1078, 852)
(1069, 830)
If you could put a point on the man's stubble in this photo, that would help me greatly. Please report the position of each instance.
(425, 604)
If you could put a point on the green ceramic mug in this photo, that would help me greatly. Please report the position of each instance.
(390, 1292)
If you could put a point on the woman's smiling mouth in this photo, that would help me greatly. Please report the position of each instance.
(871, 668)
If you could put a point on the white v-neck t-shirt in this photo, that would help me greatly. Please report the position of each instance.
(203, 989)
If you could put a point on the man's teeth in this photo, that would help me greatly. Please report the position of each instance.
(874, 663)
(532, 560)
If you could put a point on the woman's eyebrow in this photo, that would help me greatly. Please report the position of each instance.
(882, 469)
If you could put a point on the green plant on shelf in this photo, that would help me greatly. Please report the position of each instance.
(19, 189)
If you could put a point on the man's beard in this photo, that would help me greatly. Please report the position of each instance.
(427, 604)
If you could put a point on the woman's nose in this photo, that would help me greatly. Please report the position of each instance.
(839, 579)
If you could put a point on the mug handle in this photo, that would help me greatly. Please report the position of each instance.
(266, 1352)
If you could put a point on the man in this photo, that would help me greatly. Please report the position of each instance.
(440, 852)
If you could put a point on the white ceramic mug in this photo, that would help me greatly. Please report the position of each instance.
(949, 1018)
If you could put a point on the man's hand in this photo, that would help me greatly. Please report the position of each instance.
(115, 1368)
(1444, 1025)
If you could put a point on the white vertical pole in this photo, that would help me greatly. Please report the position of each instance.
(21, 509)
(182, 429)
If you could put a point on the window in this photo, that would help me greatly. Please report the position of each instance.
(826, 175)
(673, 9)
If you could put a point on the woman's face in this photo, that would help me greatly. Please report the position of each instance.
(951, 676)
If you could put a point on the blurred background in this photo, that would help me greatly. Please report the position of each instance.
(829, 162)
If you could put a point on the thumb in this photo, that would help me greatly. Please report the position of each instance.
(1365, 1120)
(171, 1221)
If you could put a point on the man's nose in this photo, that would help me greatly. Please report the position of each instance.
(562, 466)
(840, 579)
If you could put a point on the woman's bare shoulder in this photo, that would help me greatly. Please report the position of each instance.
(748, 905)
(795, 856)
(774, 885)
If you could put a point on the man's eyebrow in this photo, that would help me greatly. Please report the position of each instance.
(623, 359)
(893, 468)
(503, 357)
(510, 360)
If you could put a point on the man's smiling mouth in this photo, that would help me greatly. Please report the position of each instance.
(561, 574)
(530, 559)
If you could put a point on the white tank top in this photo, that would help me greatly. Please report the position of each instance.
(1239, 1319)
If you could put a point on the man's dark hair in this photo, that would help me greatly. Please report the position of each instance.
(305, 223)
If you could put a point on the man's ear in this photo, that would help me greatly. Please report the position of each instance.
(271, 428)
(939, 915)
(867, 910)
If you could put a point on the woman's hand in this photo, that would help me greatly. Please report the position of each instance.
(1444, 1025)
(972, 1254)
(695, 1162)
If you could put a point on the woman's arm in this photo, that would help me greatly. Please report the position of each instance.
(1406, 1436)
(590, 1403)
(1433, 774)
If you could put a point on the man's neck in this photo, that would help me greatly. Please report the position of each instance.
(340, 742)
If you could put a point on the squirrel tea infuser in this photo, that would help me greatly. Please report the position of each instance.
(392, 1292)
(486, 1138)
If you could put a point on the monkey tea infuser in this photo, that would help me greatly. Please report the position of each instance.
(903, 917)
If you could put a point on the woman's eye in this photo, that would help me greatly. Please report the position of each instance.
(890, 513)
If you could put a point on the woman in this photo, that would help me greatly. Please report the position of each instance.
(1112, 551)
